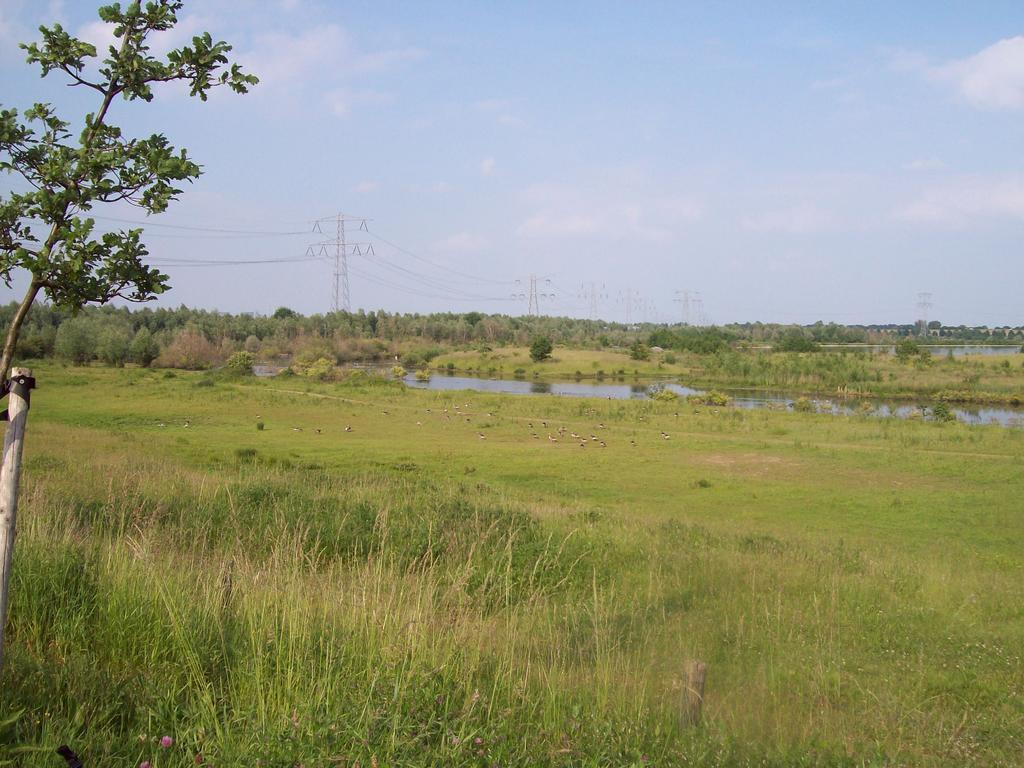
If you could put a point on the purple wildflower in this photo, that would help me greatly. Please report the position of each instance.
(166, 742)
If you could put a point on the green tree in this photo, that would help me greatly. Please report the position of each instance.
(907, 349)
(144, 348)
(68, 171)
(639, 351)
(76, 341)
(541, 349)
(794, 340)
(112, 344)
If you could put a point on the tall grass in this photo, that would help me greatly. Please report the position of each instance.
(420, 597)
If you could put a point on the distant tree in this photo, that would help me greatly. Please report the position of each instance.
(793, 340)
(144, 348)
(907, 349)
(639, 351)
(541, 348)
(76, 341)
(66, 171)
(283, 313)
(112, 344)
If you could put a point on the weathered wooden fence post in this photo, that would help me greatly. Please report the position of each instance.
(10, 474)
(693, 691)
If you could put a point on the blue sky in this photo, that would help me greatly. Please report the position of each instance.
(789, 161)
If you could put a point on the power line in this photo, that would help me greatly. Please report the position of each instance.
(246, 232)
(466, 275)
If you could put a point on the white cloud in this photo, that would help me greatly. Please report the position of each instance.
(993, 78)
(499, 110)
(365, 187)
(558, 224)
(967, 200)
(623, 210)
(925, 164)
(100, 34)
(322, 59)
(682, 208)
(799, 219)
(461, 242)
(487, 166)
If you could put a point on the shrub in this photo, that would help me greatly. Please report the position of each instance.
(712, 397)
(190, 350)
(803, 405)
(422, 375)
(241, 363)
(398, 371)
(942, 413)
(639, 351)
(665, 396)
(669, 358)
(793, 340)
(907, 350)
(321, 368)
(541, 349)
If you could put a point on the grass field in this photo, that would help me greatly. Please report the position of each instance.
(411, 593)
(973, 378)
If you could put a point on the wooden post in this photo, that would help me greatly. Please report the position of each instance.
(693, 691)
(10, 475)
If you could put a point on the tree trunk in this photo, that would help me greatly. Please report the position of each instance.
(16, 323)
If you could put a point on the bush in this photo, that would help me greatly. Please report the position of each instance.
(190, 350)
(541, 349)
(398, 371)
(793, 340)
(712, 397)
(422, 375)
(803, 405)
(907, 349)
(941, 412)
(639, 351)
(665, 396)
(669, 358)
(321, 368)
(241, 363)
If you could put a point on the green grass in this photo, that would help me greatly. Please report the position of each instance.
(391, 594)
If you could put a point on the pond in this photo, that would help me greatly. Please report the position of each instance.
(937, 350)
(1002, 415)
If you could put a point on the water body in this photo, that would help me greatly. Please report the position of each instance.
(937, 350)
(1004, 416)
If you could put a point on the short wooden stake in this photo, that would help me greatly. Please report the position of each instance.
(693, 691)
(10, 475)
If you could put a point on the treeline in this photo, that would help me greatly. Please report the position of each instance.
(192, 338)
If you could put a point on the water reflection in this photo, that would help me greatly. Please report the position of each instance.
(1006, 416)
